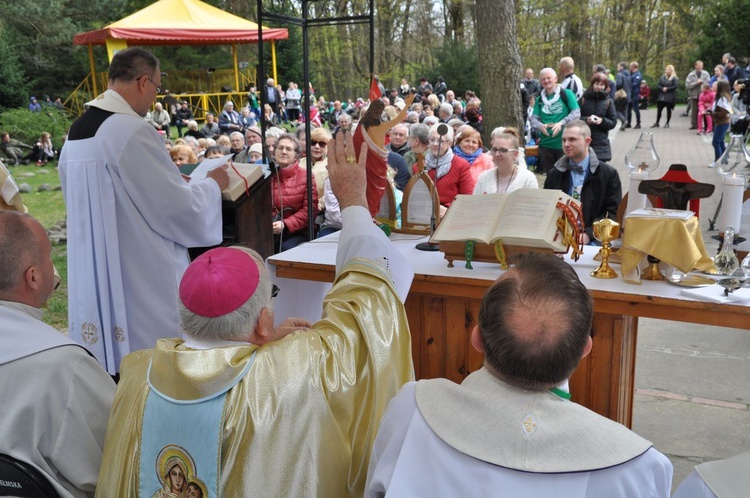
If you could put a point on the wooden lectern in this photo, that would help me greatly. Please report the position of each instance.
(247, 220)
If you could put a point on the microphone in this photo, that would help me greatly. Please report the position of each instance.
(442, 130)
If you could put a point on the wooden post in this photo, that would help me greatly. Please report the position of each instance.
(93, 70)
(236, 68)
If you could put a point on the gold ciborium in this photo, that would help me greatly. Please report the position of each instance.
(605, 232)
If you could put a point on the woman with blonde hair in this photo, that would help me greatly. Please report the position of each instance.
(319, 138)
(469, 146)
(434, 101)
(667, 94)
(502, 130)
(44, 150)
(182, 154)
(506, 175)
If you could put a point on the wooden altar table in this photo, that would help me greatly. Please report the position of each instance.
(442, 310)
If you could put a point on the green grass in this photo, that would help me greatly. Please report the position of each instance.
(49, 209)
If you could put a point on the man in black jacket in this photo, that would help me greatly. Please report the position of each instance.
(580, 174)
(184, 114)
(622, 82)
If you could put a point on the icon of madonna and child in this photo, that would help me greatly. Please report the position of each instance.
(176, 471)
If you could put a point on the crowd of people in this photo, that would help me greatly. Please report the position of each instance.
(215, 399)
(550, 104)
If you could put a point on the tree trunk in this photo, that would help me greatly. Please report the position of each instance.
(500, 66)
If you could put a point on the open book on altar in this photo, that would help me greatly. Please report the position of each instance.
(525, 217)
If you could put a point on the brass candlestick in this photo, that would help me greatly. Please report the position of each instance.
(605, 231)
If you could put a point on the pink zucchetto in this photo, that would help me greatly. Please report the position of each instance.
(218, 282)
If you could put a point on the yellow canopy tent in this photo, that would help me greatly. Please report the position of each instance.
(179, 22)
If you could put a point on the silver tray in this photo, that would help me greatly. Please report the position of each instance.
(693, 280)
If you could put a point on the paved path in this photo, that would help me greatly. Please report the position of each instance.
(692, 381)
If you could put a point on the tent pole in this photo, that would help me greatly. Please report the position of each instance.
(93, 69)
(236, 69)
(273, 61)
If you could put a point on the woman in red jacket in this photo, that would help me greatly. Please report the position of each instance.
(451, 174)
(289, 196)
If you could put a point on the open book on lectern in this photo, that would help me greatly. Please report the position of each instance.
(242, 176)
(525, 217)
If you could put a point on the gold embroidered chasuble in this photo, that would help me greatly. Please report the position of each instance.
(303, 419)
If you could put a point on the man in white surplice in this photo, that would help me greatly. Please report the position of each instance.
(56, 397)
(131, 217)
(509, 429)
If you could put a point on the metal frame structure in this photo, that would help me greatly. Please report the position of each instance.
(305, 22)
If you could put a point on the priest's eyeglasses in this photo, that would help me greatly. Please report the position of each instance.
(274, 290)
(159, 89)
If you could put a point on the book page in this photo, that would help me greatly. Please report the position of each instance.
(207, 165)
(527, 215)
(471, 217)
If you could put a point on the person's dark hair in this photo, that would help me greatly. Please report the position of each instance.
(535, 322)
(599, 68)
(217, 149)
(599, 78)
(471, 113)
(132, 63)
(19, 248)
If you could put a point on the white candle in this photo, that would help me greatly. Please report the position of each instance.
(636, 200)
(731, 207)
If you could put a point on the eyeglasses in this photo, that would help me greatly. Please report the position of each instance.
(435, 141)
(501, 150)
(159, 89)
(319, 144)
(286, 149)
(274, 290)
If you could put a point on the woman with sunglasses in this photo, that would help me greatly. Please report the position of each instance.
(506, 176)
(319, 138)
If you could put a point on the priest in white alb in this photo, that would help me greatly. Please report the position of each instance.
(510, 429)
(56, 397)
(131, 217)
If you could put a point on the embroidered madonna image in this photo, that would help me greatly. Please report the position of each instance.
(176, 471)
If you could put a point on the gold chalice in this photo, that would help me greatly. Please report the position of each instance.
(605, 231)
